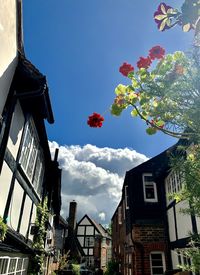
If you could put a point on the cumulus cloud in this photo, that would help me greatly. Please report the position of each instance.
(93, 177)
(102, 216)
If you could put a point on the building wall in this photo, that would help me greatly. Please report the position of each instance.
(16, 130)
(120, 240)
(18, 195)
(148, 238)
(5, 182)
(8, 47)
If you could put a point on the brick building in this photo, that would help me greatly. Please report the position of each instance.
(148, 229)
(139, 222)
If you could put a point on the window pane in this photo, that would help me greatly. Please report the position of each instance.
(3, 265)
(149, 190)
(148, 178)
(157, 270)
(26, 147)
(156, 256)
(19, 264)
(157, 263)
(32, 158)
(12, 265)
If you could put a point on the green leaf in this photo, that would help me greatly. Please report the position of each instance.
(134, 113)
(135, 83)
(160, 123)
(120, 89)
(151, 131)
(116, 110)
(186, 27)
(131, 75)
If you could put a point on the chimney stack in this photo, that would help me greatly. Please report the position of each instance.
(72, 216)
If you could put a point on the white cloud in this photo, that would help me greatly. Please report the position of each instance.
(93, 177)
(102, 216)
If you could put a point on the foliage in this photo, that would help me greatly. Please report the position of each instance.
(192, 255)
(166, 97)
(188, 166)
(3, 229)
(42, 215)
(64, 261)
(76, 269)
(167, 17)
(113, 268)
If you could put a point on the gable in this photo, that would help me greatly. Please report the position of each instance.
(85, 221)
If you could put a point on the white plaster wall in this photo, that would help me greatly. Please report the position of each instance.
(184, 223)
(174, 257)
(85, 251)
(198, 224)
(85, 221)
(81, 230)
(89, 230)
(8, 47)
(33, 217)
(26, 216)
(15, 206)
(16, 130)
(81, 240)
(171, 223)
(5, 181)
(91, 251)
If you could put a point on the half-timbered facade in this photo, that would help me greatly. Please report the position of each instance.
(139, 223)
(180, 224)
(149, 230)
(95, 242)
(27, 173)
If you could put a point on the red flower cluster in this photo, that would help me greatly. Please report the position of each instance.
(126, 68)
(144, 62)
(95, 120)
(156, 52)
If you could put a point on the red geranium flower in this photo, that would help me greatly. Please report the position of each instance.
(95, 120)
(144, 62)
(126, 68)
(156, 52)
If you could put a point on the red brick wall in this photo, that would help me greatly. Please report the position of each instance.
(148, 238)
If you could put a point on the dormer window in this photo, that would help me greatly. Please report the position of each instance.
(149, 187)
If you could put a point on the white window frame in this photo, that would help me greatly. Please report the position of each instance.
(89, 241)
(33, 166)
(126, 196)
(163, 261)
(173, 184)
(16, 269)
(145, 183)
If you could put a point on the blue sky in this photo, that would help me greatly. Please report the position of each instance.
(80, 45)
